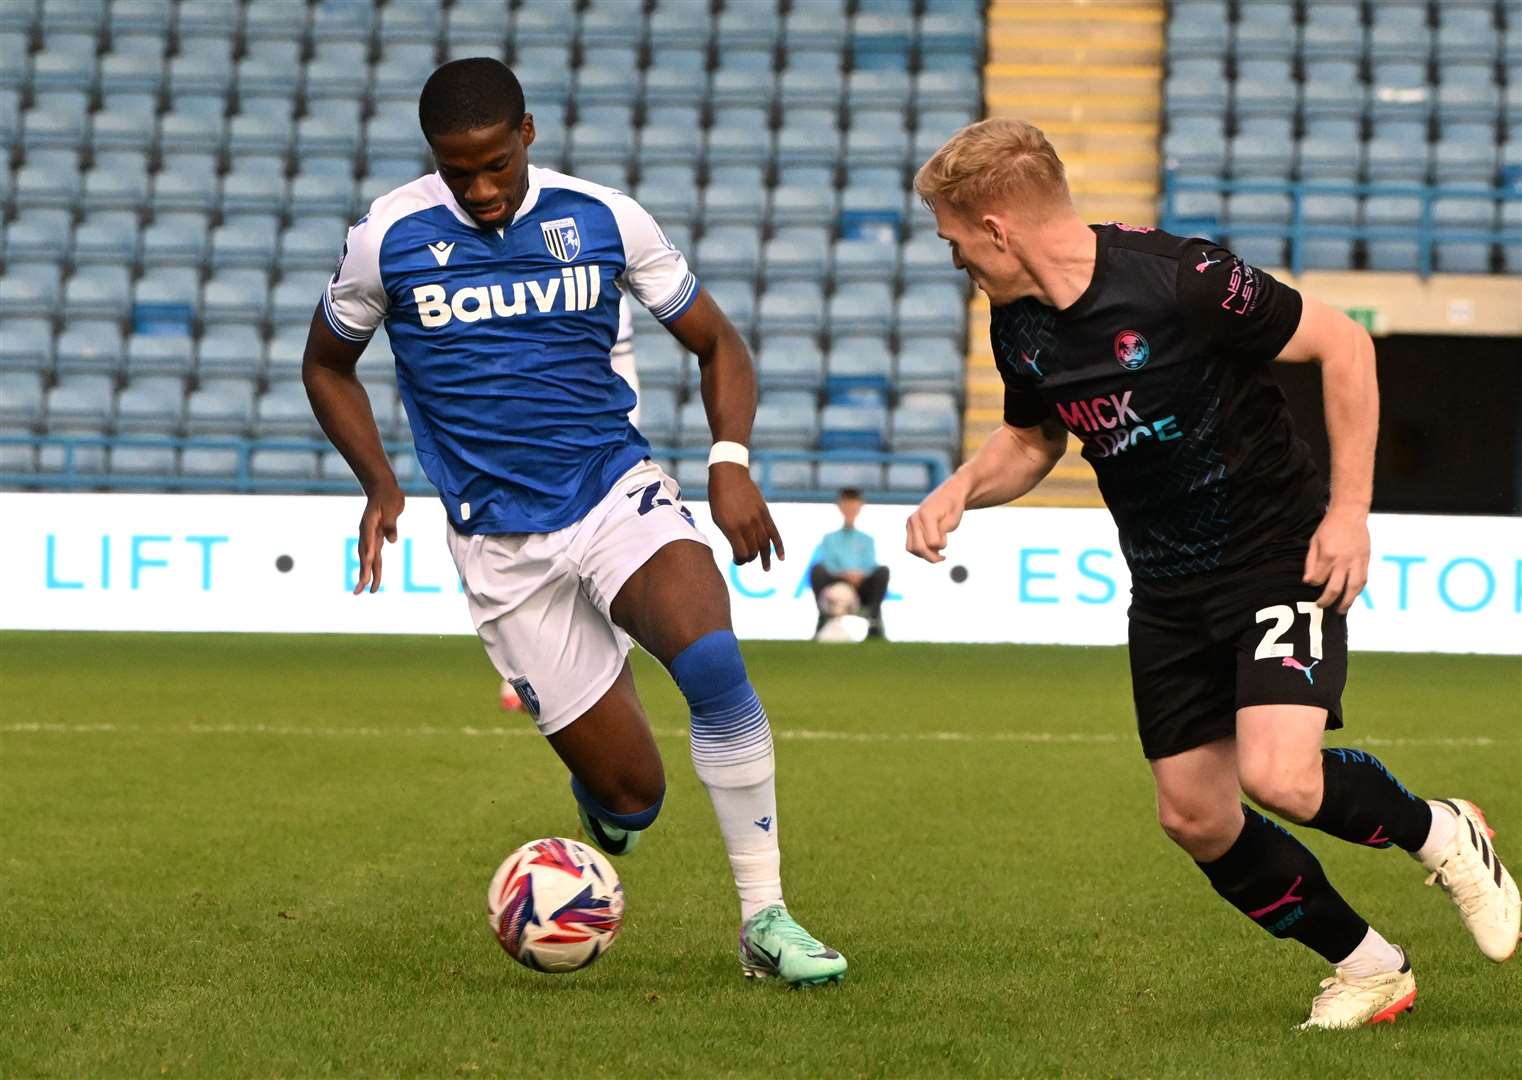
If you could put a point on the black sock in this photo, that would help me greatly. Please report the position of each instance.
(1276, 882)
(1363, 804)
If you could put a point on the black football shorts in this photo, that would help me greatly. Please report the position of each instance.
(1204, 647)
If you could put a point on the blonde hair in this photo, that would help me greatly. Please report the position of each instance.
(999, 159)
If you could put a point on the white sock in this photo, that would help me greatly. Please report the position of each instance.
(1374, 956)
(734, 759)
(1445, 826)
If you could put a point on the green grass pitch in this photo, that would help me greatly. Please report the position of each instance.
(268, 856)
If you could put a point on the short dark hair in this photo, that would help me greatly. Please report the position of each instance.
(469, 94)
(849, 493)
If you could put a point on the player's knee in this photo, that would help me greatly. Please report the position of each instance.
(709, 672)
(631, 800)
(1291, 791)
(1194, 827)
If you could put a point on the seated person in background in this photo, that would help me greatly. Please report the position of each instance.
(848, 555)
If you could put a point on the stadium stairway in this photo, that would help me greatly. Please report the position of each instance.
(1089, 74)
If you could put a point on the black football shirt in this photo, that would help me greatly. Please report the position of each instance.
(1161, 368)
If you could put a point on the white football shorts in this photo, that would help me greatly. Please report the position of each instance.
(541, 601)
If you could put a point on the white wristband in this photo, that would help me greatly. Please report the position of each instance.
(731, 452)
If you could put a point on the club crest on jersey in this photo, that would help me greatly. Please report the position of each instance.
(562, 237)
(1131, 349)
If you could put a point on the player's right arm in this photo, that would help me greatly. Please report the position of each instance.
(351, 308)
(1012, 462)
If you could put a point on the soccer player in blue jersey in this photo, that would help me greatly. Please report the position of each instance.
(499, 284)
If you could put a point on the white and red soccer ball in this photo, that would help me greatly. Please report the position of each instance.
(555, 905)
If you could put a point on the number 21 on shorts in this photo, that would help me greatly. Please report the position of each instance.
(1283, 617)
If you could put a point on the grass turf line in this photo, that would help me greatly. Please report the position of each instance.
(203, 903)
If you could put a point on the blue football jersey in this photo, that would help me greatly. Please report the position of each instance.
(503, 338)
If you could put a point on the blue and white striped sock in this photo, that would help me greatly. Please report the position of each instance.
(732, 753)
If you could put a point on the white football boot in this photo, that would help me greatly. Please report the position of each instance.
(1346, 1002)
(1470, 872)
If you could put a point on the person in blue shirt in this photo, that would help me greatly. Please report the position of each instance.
(849, 555)
(499, 285)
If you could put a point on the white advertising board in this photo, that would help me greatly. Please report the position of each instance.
(287, 563)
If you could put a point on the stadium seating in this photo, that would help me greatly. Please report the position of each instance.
(1407, 115)
(179, 175)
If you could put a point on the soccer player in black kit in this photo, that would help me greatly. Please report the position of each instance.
(1153, 350)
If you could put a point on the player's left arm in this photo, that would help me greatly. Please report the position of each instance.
(728, 382)
(1339, 553)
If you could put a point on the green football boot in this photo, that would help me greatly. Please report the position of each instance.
(609, 838)
(773, 945)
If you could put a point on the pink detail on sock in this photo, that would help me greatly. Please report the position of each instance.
(1288, 898)
(1378, 838)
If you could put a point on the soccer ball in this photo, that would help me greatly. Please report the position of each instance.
(839, 598)
(555, 905)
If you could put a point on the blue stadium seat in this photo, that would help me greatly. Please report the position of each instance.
(1259, 250)
(1196, 145)
(683, 25)
(1265, 28)
(151, 406)
(870, 258)
(907, 477)
(283, 468)
(1457, 249)
(669, 193)
(1399, 32)
(1395, 155)
(798, 253)
(1465, 154)
(808, 29)
(311, 243)
(861, 308)
(251, 191)
(1265, 85)
(1263, 155)
(860, 368)
(313, 195)
(160, 354)
(260, 133)
(933, 311)
(1334, 89)
(748, 26)
(661, 358)
(811, 81)
(732, 202)
(332, 467)
(1327, 157)
(1198, 28)
(670, 144)
(927, 258)
(97, 292)
(22, 395)
(1333, 29)
(870, 141)
(63, 69)
(926, 427)
(736, 297)
(692, 425)
(26, 344)
(785, 426)
(284, 412)
(245, 241)
(199, 463)
(1258, 208)
(38, 235)
(612, 24)
(81, 402)
(834, 475)
(853, 427)
(657, 412)
(267, 79)
(730, 251)
(177, 239)
(190, 132)
(90, 346)
(220, 407)
(803, 204)
(881, 40)
(789, 360)
(199, 74)
(867, 210)
(230, 351)
(28, 289)
(82, 459)
(1468, 33)
(293, 300)
(420, 22)
(1511, 222)
(152, 465)
(932, 363)
(236, 295)
(946, 90)
(1463, 98)
(57, 118)
(283, 352)
(15, 59)
(890, 90)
